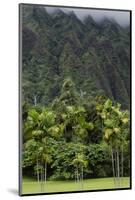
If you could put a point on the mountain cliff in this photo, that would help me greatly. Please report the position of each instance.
(56, 46)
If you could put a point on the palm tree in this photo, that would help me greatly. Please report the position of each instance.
(75, 117)
(114, 121)
(31, 126)
(42, 126)
(79, 162)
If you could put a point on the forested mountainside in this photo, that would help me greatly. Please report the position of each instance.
(96, 56)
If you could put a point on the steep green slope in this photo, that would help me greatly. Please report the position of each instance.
(57, 46)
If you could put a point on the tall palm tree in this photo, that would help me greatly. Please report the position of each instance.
(79, 162)
(114, 121)
(42, 126)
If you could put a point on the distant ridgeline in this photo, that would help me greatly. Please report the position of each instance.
(96, 56)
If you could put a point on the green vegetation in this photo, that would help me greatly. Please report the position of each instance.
(61, 146)
(31, 186)
(76, 119)
(96, 56)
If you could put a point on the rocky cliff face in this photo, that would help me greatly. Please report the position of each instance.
(59, 45)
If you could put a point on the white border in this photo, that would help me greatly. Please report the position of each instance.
(9, 98)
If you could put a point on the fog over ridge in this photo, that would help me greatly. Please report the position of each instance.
(121, 17)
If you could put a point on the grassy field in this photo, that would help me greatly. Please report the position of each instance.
(31, 186)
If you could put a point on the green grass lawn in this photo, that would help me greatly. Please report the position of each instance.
(31, 186)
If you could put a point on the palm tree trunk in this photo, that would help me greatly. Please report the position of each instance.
(75, 177)
(122, 159)
(45, 171)
(77, 174)
(37, 170)
(45, 174)
(113, 167)
(41, 179)
(118, 168)
(82, 177)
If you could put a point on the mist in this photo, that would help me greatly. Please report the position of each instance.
(121, 17)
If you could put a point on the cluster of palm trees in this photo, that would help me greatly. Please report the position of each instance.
(115, 125)
(67, 120)
(44, 130)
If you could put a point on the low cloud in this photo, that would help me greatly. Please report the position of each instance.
(121, 17)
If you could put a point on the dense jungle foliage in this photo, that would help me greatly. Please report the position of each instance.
(76, 96)
(56, 46)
